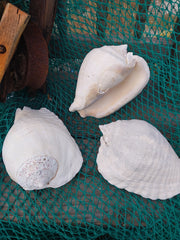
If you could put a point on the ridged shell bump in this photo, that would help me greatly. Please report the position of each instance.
(109, 77)
(39, 152)
(135, 156)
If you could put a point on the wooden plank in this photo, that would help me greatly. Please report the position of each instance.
(12, 25)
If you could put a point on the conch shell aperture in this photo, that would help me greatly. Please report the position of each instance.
(109, 77)
(135, 156)
(39, 152)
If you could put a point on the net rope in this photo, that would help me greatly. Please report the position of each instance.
(89, 207)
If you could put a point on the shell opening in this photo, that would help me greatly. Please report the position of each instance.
(122, 93)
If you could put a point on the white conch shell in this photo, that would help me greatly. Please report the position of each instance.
(39, 152)
(109, 78)
(134, 155)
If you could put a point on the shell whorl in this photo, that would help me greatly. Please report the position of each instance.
(37, 172)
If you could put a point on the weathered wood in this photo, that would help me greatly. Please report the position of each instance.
(43, 14)
(12, 25)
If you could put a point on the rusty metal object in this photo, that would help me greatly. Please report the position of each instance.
(37, 56)
(29, 64)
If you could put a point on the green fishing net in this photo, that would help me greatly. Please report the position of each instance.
(88, 207)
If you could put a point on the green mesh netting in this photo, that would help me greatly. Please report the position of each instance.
(89, 207)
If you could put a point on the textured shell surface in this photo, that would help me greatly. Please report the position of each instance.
(135, 156)
(39, 152)
(109, 77)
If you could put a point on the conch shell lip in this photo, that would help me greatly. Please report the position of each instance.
(109, 78)
(98, 112)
